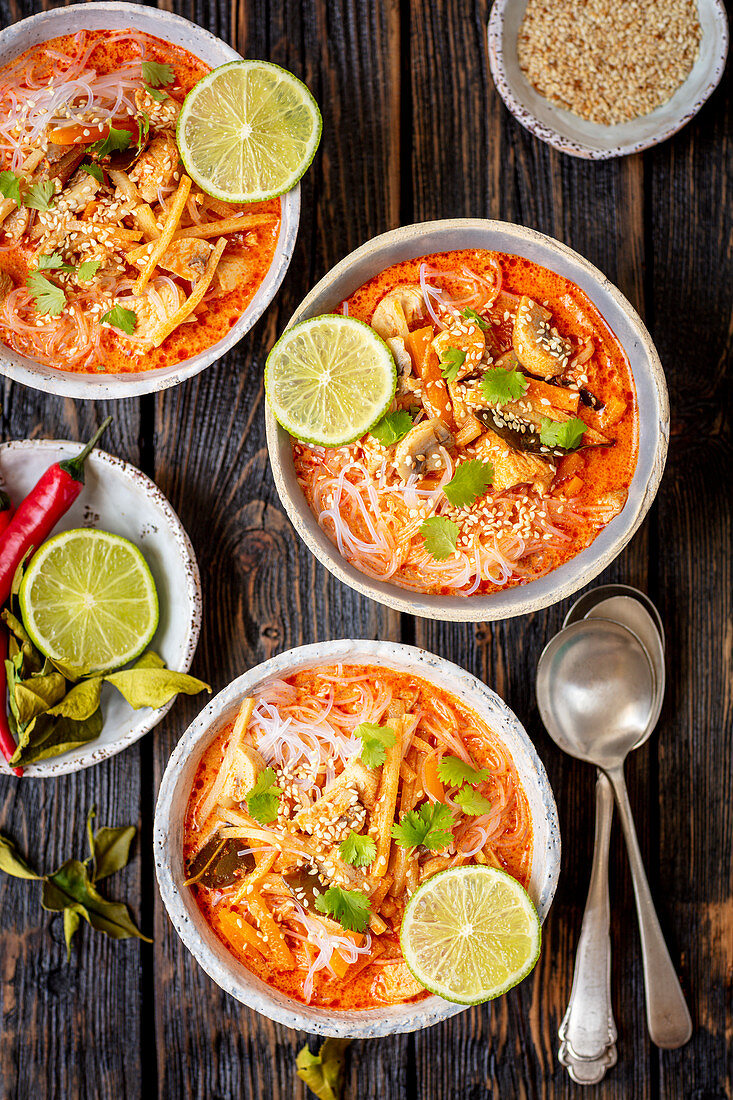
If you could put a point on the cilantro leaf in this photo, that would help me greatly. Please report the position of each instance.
(454, 772)
(358, 849)
(38, 196)
(121, 318)
(157, 74)
(264, 798)
(53, 262)
(472, 315)
(94, 170)
(10, 186)
(88, 270)
(143, 123)
(451, 361)
(441, 536)
(562, 433)
(349, 907)
(471, 802)
(115, 142)
(430, 826)
(155, 93)
(469, 482)
(49, 298)
(393, 427)
(375, 740)
(501, 386)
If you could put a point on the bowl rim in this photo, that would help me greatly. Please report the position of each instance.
(97, 386)
(498, 605)
(94, 753)
(223, 968)
(582, 147)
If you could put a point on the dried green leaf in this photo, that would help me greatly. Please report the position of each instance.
(46, 737)
(71, 888)
(151, 659)
(323, 1073)
(111, 850)
(11, 862)
(80, 702)
(71, 924)
(31, 660)
(154, 687)
(36, 695)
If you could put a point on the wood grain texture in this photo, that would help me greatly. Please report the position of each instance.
(413, 129)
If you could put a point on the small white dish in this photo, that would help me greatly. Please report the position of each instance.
(15, 40)
(118, 497)
(188, 921)
(577, 136)
(423, 239)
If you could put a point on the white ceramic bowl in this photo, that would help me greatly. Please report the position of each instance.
(117, 497)
(419, 240)
(577, 136)
(172, 28)
(207, 949)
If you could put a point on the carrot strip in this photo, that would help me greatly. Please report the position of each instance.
(242, 935)
(271, 932)
(387, 800)
(431, 778)
(559, 398)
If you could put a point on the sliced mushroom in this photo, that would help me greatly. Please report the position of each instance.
(81, 190)
(419, 451)
(246, 767)
(402, 356)
(538, 347)
(6, 285)
(397, 310)
(64, 161)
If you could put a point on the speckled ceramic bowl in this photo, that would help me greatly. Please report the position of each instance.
(420, 240)
(118, 497)
(207, 949)
(173, 28)
(577, 136)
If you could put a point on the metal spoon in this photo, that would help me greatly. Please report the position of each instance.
(596, 695)
(588, 1030)
(585, 603)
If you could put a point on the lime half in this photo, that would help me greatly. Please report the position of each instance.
(247, 131)
(330, 379)
(88, 601)
(470, 933)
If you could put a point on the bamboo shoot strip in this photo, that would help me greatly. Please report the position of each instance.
(165, 238)
(194, 298)
(387, 800)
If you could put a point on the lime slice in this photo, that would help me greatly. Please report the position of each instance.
(247, 131)
(88, 601)
(330, 379)
(470, 933)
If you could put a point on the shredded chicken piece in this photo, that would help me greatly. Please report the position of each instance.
(149, 315)
(186, 257)
(156, 167)
(233, 271)
(512, 467)
(160, 114)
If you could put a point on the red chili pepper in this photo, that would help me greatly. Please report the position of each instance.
(41, 510)
(6, 510)
(7, 741)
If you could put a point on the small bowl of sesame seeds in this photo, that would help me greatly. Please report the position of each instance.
(598, 80)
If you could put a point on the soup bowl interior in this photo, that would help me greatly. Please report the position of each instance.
(231, 975)
(204, 45)
(413, 241)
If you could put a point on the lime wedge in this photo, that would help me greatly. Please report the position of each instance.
(470, 933)
(329, 380)
(247, 131)
(88, 601)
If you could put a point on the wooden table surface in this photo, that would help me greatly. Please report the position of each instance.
(413, 130)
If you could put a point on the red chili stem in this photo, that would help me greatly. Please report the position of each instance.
(51, 497)
(7, 741)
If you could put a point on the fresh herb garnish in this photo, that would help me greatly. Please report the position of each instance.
(470, 481)
(393, 427)
(143, 123)
(501, 386)
(10, 186)
(71, 889)
(358, 849)
(94, 170)
(116, 141)
(451, 361)
(155, 93)
(121, 318)
(471, 802)
(375, 740)
(49, 299)
(38, 196)
(53, 262)
(157, 73)
(430, 826)
(349, 907)
(323, 1072)
(264, 798)
(88, 270)
(567, 434)
(454, 772)
(441, 536)
(472, 315)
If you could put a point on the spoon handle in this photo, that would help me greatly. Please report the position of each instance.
(668, 1017)
(588, 1032)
